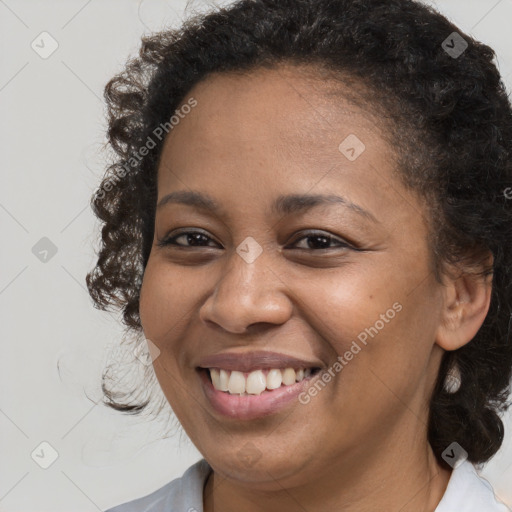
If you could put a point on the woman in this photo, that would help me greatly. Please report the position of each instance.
(309, 220)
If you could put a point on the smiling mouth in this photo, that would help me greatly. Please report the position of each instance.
(234, 382)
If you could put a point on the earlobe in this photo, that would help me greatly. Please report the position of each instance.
(466, 303)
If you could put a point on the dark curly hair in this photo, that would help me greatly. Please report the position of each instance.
(452, 130)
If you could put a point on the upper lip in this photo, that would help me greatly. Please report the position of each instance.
(256, 360)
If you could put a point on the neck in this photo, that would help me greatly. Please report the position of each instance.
(405, 477)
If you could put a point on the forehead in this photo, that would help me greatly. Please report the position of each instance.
(285, 101)
(256, 136)
(288, 114)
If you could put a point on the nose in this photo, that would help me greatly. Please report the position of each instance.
(247, 294)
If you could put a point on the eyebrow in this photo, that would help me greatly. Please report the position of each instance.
(283, 205)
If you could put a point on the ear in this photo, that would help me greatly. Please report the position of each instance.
(466, 301)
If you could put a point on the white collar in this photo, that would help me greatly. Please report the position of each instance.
(467, 491)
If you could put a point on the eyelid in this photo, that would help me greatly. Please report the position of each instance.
(340, 241)
(166, 240)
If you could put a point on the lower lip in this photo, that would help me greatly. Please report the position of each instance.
(249, 407)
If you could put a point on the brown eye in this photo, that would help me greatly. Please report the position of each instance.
(320, 240)
(188, 239)
(310, 241)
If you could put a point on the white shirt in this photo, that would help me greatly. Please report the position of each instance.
(467, 491)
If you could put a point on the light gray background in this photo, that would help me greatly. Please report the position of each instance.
(52, 127)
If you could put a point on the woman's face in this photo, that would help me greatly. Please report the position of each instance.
(269, 281)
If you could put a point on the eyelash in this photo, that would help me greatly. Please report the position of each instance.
(171, 241)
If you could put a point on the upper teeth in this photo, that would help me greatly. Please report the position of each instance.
(254, 383)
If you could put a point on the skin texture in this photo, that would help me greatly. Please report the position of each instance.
(362, 440)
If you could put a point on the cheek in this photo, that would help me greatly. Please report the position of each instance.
(166, 296)
(373, 321)
(167, 304)
(382, 341)
(344, 305)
